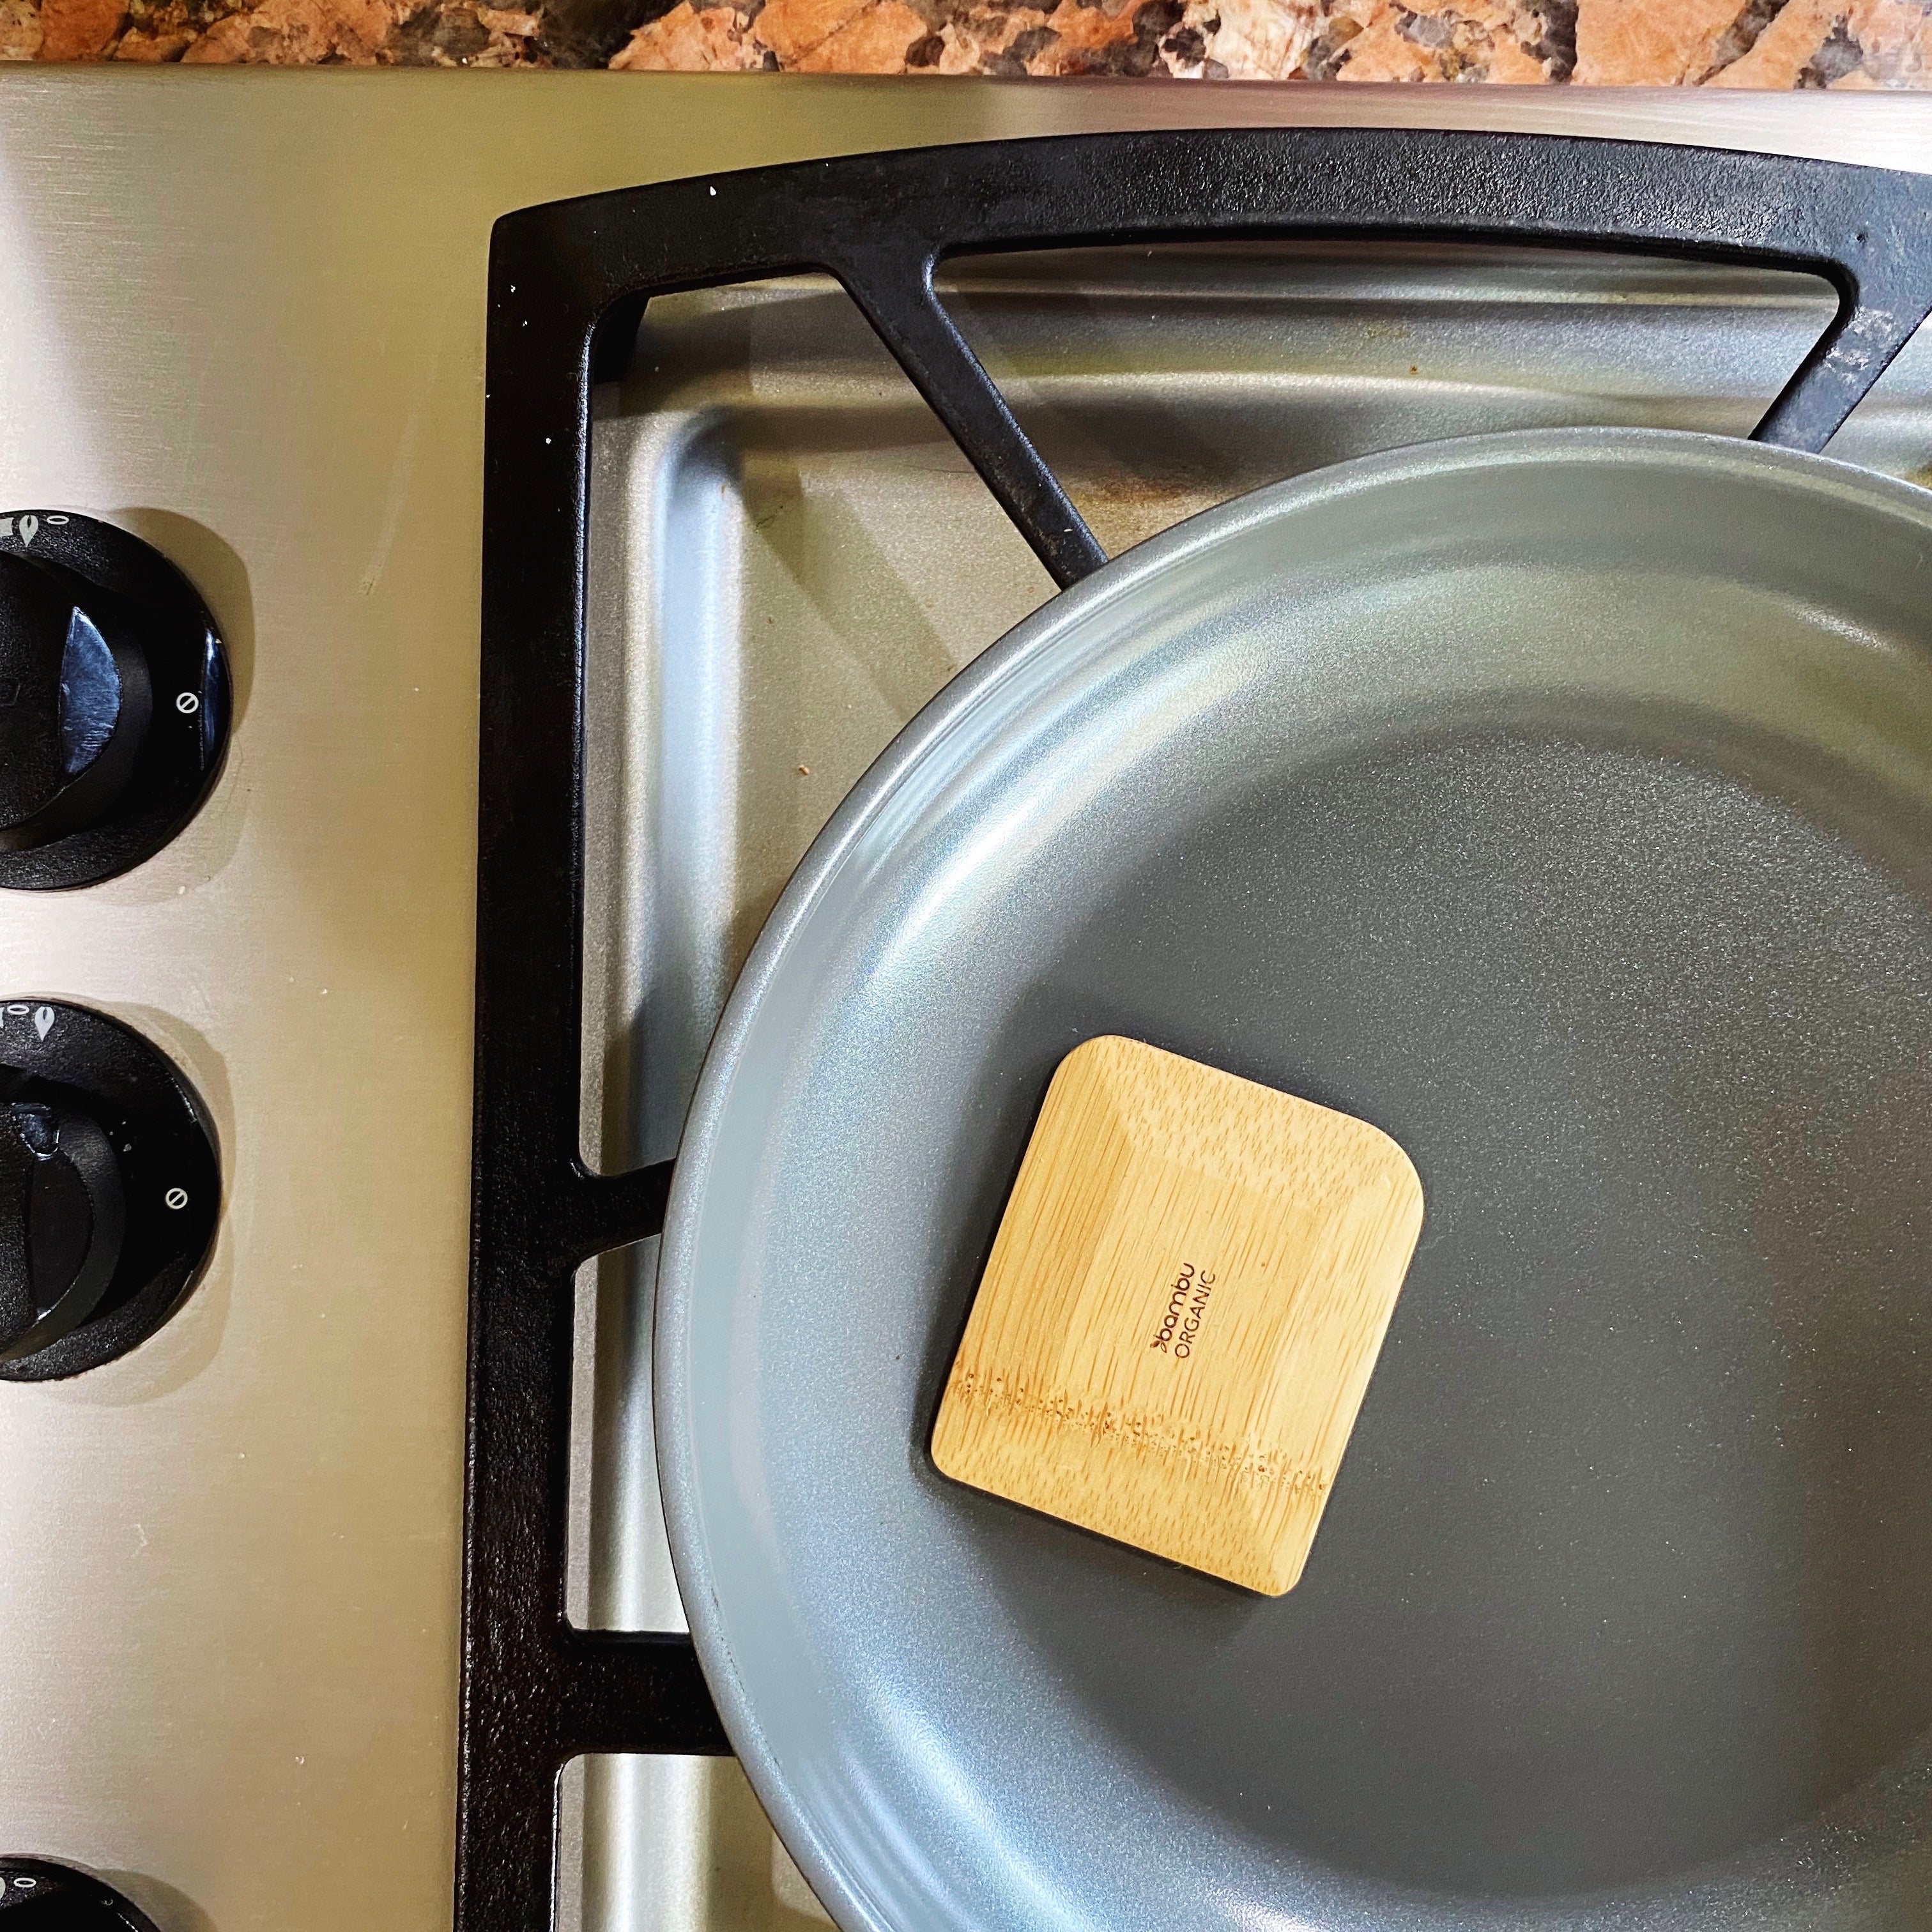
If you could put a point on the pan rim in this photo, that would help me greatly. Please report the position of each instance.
(948, 711)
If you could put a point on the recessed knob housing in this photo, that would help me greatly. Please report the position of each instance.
(110, 1189)
(114, 700)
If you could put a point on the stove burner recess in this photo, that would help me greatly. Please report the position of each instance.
(568, 286)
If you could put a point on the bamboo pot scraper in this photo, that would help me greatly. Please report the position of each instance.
(1183, 1304)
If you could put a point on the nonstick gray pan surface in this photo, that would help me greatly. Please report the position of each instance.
(1562, 804)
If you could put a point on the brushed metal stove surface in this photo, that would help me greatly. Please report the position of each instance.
(243, 314)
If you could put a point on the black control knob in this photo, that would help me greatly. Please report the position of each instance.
(44, 1896)
(62, 1216)
(114, 700)
(110, 1189)
(75, 703)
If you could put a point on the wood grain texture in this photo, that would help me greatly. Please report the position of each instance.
(1181, 1312)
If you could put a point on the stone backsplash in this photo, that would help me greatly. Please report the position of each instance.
(1752, 43)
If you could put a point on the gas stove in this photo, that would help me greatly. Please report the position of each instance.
(243, 321)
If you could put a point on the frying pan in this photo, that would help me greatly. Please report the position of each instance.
(1560, 803)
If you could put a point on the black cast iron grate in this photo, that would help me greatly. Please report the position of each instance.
(568, 282)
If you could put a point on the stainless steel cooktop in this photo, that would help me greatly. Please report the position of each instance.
(242, 315)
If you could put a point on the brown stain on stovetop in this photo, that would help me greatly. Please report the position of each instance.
(1760, 44)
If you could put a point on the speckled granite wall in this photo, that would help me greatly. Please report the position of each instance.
(1764, 43)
